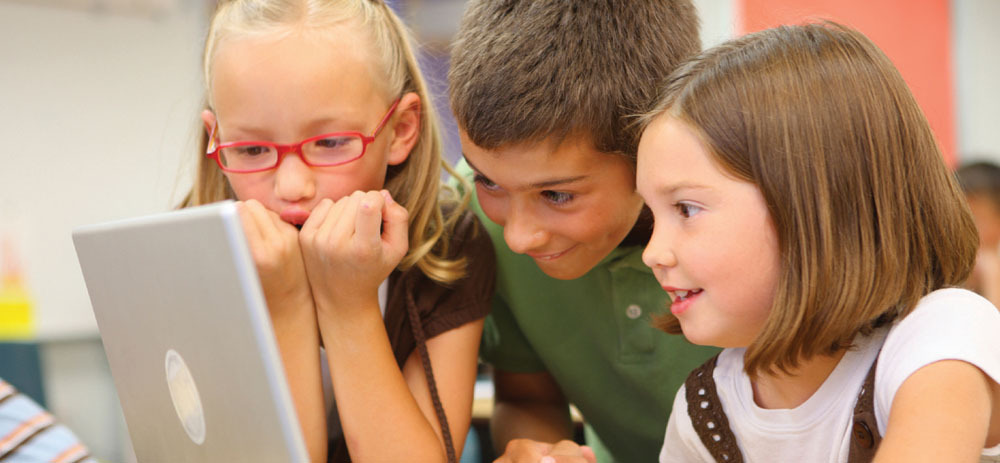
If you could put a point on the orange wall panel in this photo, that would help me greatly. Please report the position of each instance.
(915, 34)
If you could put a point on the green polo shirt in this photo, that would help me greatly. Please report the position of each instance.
(593, 335)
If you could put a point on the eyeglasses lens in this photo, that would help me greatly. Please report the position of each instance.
(325, 151)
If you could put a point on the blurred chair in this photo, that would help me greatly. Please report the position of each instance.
(20, 365)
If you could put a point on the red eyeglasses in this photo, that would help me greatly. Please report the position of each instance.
(329, 149)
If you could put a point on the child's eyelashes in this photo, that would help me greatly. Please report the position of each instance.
(485, 182)
(687, 210)
(250, 150)
(557, 197)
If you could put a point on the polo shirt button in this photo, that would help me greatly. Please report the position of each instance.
(863, 435)
(633, 311)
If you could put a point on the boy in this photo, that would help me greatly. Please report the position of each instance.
(543, 91)
(980, 181)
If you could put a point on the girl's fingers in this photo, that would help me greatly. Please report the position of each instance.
(317, 216)
(368, 222)
(264, 223)
(327, 226)
(249, 221)
(269, 226)
(346, 217)
(395, 222)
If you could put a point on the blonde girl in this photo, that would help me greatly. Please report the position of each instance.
(805, 221)
(317, 118)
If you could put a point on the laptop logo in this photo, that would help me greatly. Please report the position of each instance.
(184, 394)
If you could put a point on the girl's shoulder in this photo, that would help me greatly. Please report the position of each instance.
(948, 323)
(941, 319)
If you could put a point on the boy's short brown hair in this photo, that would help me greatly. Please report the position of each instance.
(527, 70)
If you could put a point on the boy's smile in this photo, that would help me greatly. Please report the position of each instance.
(567, 206)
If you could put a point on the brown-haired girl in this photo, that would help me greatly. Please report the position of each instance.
(805, 221)
(318, 118)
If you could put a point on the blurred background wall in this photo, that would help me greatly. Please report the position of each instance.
(98, 117)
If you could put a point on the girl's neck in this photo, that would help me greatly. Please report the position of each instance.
(781, 390)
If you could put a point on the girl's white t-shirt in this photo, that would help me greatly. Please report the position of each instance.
(946, 324)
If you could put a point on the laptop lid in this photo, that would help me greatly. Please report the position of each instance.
(188, 337)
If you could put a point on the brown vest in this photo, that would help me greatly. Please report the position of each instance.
(712, 426)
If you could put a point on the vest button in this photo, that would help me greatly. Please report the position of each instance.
(863, 435)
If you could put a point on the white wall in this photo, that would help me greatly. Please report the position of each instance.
(98, 107)
(97, 110)
(976, 38)
(718, 20)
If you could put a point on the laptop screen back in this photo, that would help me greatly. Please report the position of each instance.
(188, 338)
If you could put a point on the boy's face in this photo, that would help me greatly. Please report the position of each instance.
(987, 217)
(567, 206)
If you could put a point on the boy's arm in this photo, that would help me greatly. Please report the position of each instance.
(529, 406)
(947, 411)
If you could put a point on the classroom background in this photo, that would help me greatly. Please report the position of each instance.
(99, 103)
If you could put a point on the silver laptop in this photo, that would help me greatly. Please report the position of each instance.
(188, 337)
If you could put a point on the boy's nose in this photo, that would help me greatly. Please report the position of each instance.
(523, 232)
(293, 179)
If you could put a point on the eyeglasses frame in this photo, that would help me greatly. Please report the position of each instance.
(214, 146)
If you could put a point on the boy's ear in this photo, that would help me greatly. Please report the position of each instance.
(405, 128)
(208, 117)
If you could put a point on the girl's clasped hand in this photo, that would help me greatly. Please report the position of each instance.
(356, 242)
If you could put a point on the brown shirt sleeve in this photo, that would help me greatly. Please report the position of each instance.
(443, 307)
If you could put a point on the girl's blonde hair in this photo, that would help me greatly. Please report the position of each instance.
(416, 183)
(868, 217)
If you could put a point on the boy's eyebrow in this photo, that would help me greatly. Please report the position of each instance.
(556, 182)
(536, 185)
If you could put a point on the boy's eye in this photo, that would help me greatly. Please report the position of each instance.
(485, 182)
(687, 210)
(557, 197)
